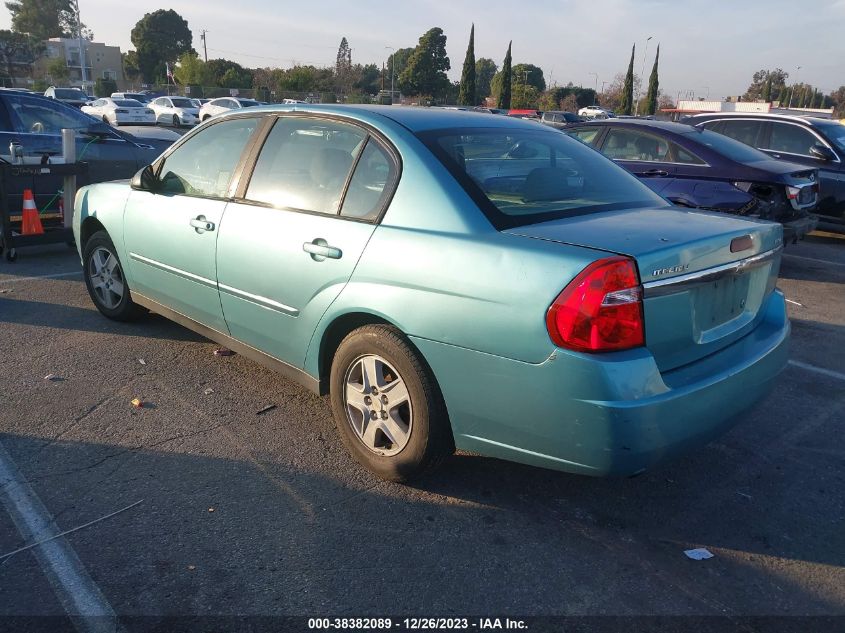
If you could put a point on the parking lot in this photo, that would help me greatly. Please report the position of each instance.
(225, 511)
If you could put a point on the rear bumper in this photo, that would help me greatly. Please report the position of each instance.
(795, 230)
(614, 414)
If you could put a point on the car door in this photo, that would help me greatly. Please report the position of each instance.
(792, 141)
(161, 107)
(288, 246)
(170, 234)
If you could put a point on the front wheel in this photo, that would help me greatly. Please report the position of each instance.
(105, 280)
(387, 405)
(175, 120)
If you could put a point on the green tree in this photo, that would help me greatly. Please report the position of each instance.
(425, 73)
(191, 71)
(653, 86)
(396, 64)
(160, 37)
(17, 49)
(467, 95)
(130, 65)
(43, 19)
(225, 73)
(766, 95)
(367, 78)
(343, 67)
(504, 99)
(485, 70)
(627, 105)
(528, 75)
(58, 71)
(761, 79)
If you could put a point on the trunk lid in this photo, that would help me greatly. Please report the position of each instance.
(699, 296)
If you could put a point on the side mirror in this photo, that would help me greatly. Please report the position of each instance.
(822, 152)
(145, 180)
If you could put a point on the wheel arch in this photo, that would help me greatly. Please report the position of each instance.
(90, 225)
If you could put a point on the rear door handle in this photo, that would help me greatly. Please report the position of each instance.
(201, 224)
(655, 172)
(320, 250)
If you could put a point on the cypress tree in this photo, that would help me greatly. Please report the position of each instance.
(466, 95)
(628, 88)
(505, 95)
(767, 89)
(653, 85)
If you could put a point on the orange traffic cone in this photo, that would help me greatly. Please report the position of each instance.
(30, 222)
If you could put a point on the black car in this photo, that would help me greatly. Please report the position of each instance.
(34, 123)
(694, 167)
(814, 142)
(560, 119)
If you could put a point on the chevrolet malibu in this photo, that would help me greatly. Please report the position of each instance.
(450, 280)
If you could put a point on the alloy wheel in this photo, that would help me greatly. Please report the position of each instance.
(106, 278)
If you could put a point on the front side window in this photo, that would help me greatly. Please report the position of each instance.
(791, 139)
(203, 165)
(305, 164)
(523, 176)
(624, 144)
(584, 134)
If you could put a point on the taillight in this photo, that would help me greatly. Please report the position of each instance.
(601, 310)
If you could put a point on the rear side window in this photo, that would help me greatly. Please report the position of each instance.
(305, 164)
(585, 134)
(369, 186)
(632, 145)
(744, 131)
(203, 165)
(522, 176)
(791, 139)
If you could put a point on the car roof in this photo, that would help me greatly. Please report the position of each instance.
(666, 126)
(415, 119)
(770, 116)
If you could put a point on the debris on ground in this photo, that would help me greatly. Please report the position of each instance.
(5, 291)
(222, 351)
(191, 567)
(743, 494)
(269, 407)
(211, 509)
(53, 378)
(800, 305)
(137, 403)
(701, 553)
(142, 361)
(208, 391)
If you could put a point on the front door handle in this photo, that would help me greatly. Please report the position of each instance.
(655, 172)
(320, 250)
(201, 224)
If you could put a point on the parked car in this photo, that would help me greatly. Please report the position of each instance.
(120, 111)
(175, 111)
(812, 142)
(540, 305)
(140, 97)
(199, 103)
(71, 96)
(698, 168)
(224, 104)
(559, 119)
(35, 122)
(595, 112)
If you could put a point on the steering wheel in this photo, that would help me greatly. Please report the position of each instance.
(37, 128)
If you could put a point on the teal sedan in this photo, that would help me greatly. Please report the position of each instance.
(450, 280)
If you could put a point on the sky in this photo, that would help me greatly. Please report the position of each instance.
(707, 49)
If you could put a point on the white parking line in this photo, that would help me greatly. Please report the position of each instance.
(14, 280)
(813, 259)
(818, 370)
(81, 598)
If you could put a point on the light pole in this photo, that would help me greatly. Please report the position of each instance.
(642, 70)
(83, 75)
(596, 90)
(707, 95)
(392, 70)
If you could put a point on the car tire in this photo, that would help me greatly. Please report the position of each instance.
(397, 440)
(106, 120)
(206, 118)
(175, 120)
(105, 280)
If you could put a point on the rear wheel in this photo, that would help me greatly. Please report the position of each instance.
(105, 280)
(387, 405)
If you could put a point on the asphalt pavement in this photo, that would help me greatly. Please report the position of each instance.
(198, 505)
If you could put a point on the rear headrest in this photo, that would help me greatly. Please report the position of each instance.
(547, 183)
(330, 164)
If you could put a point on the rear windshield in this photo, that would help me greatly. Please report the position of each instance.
(248, 103)
(523, 176)
(127, 103)
(182, 103)
(69, 93)
(733, 149)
